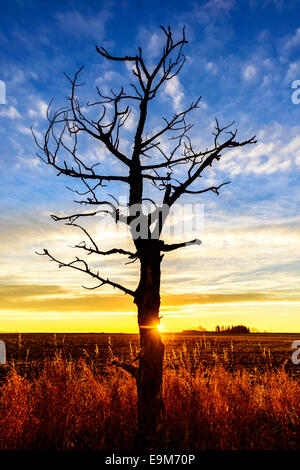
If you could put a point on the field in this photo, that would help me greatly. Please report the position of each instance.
(253, 352)
(220, 391)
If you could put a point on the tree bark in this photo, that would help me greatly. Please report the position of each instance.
(150, 373)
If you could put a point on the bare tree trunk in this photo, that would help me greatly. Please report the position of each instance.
(149, 380)
(72, 122)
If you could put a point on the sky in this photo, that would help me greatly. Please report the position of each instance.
(242, 58)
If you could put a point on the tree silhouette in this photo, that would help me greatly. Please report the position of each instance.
(148, 161)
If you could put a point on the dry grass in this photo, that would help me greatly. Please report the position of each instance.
(69, 405)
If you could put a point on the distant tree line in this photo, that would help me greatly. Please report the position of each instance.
(194, 330)
(238, 329)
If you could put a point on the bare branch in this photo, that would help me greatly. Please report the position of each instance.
(112, 251)
(85, 232)
(215, 155)
(133, 370)
(171, 125)
(214, 189)
(85, 269)
(175, 246)
(59, 149)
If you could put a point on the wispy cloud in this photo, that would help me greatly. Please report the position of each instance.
(89, 24)
(11, 112)
(250, 72)
(251, 236)
(39, 108)
(214, 10)
(275, 152)
(173, 90)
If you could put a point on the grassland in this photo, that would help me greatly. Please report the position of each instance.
(220, 392)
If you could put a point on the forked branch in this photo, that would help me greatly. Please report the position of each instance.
(77, 263)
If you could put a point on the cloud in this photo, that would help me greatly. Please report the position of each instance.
(54, 298)
(39, 108)
(27, 234)
(279, 4)
(237, 259)
(131, 121)
(88, 25)
(211, 67)
(290, 44)
(154, 45)
(47, 298)
(153, 41)
(24, 130)
(293, 72)
(173, 90)
(249, 73)
(240, 255)
(278, 150)
(214, 10)
(11, 112)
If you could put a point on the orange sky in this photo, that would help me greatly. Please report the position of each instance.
(53, 308)
(247, 268)
(244, 272)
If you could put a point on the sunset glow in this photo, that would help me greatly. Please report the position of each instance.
(247, 268)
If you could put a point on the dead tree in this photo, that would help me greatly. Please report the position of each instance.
(147, 162)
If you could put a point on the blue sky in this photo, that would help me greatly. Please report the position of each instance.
(242, 58)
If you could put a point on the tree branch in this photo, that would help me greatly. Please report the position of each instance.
(112, 251)
(215, 155)
(175, 246)
(133, 370)
(214, 189)
(74, 265)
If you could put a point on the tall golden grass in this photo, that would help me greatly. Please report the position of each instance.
(70, 405)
